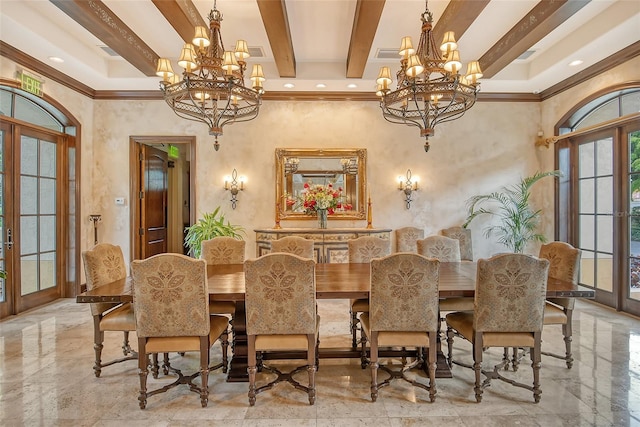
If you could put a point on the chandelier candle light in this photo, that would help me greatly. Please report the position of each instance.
(430, 89)
(211, 88)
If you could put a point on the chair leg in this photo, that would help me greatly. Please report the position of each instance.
(155, 367)
(252, 369)
(432, 365)
(567, 331)
(450, 335)
(204, 371)
(126, 348)
(311, 367)
(515, 361)
(373, 364)
(354, 328)
(98, 339)
(536, 362)
(143, 371)
(477, 366)
(224, 343)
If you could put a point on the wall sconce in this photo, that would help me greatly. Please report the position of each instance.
(234, 184)
(408, 186)
(291, 165)
(544, 142)
(349, 166)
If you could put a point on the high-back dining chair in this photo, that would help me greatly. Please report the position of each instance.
(441, 248)
(280, 303)
(363, 250)
(564, 264)
(217, 251)
(171, 302)
(509, 310)
(104, 263)
(406, 238)
(294, 245)
(463, 236)
(403, 312)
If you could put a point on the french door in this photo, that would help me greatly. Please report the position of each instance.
(606, 186)
(31, 207)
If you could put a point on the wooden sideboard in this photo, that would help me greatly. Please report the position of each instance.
(330, 244)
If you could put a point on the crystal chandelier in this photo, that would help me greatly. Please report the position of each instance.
(211, 88)
(430, 88)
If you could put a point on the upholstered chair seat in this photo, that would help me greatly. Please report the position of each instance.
(294, 245)
(363, 250)
(509, 310)
(171, 302)
(406, 238)
(281, 312)
(403, 312)
(103, 264)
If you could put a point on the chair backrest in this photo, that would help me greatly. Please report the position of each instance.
(365, 248)
(280, 295)
(407, 237)
(564, 264)
(104, 263)
(463, 236)
(223, 250)
(510, 293)
(564, 260)
(294, 245)
(442, 248)
(404, 293)
(170, 296)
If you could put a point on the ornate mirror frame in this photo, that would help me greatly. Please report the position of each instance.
(358, 179)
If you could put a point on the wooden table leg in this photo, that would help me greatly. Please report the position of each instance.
(238, 366)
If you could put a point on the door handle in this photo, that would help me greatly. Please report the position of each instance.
(9, 241)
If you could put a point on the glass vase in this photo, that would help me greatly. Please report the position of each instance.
(322, 218)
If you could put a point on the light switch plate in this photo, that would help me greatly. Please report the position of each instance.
(119, 200)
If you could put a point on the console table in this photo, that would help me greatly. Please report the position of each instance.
(330, 244)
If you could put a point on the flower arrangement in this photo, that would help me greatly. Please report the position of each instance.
(315, 197)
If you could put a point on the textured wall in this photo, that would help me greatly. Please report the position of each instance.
(491, 146)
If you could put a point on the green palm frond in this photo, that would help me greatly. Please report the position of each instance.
(212, 224)
(518, 222)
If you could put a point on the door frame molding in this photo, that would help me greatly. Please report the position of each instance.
(134, 179)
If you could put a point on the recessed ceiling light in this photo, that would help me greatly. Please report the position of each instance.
(352, 85)
(321, 85)
(289, 85)
(574, 63)
(56, 59)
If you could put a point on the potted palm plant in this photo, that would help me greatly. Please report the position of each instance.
(518, 221)
(211, 225)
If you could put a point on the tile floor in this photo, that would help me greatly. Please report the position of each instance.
(46, 379)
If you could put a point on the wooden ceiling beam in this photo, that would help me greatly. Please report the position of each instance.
(458, 17)
(182, 15)
(545, 17)
(100, 21)
(276, 24)
(365, 25)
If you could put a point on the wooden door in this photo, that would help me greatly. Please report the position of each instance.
(153, 219)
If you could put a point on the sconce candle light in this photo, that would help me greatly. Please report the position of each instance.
(408, 186)
(234, 184)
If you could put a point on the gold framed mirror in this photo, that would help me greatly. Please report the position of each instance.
(343, 168)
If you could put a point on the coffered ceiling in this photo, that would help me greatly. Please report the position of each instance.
(524, 46)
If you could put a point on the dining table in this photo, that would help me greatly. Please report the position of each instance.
(333, 281)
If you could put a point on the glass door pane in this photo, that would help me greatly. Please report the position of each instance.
(633, 143)
(38, 182)
(596, 213)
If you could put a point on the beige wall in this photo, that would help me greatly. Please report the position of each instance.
(492, 145)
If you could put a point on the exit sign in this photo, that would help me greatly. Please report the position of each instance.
(30, 84)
